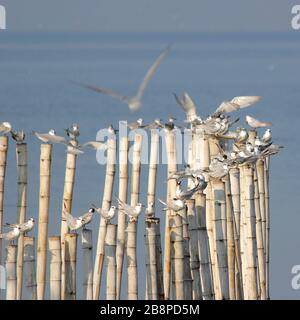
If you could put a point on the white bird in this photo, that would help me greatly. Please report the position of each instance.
(18, 136)
(189, 107)
(132, 212)
(187, 194)
(5, 127)
(217, 169)
(156, 124)
(138, 124)
(150, 209)
(135, 102)
(50, 137)
(242, 135)
(254, 123)
(107, 215)
(11, 235)
(73, 131)
(267, 136)
(272, 149)
(174, 204)
(236, 104)
(73, 150)
(23, 227)
(96, 145)
(111, 130)
(77, 223)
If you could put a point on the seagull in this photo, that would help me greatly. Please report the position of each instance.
(156, 124)
(174, 204)
(236, 104)
(189, 107)
(138, 124)
(5, 127)
(107, 215)
(217, 169)
(111, 130)
(73, 150)
(11, 235)
(135, 102)
(50, 137)
(271, 150)
(96, 145)
(23, 227)
(254, 123)
(170, 125)
(18, 136)
(150, 209)
(187, 194)
(77, 223)
(242, 135)
(267, 136)
(132, 212)
(73, 131)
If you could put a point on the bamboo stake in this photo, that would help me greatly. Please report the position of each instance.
(44, 199)
(194, 249)
(123, 186)
(3, 160)
(21, 154)
(11, 273)
(29, 267)
(261, 188)
(111, 265)
(67, 204)
(160, 271)
(70, 264)
(267, 215)
(260, 242)
(87, 267)
(55, 267)
(151, 258)
(251, 250)
(132, 275)
(106, 203)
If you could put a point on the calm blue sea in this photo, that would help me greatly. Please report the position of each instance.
(36, 93)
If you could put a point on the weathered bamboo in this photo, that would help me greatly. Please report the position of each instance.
(188, 280)
(194, 249)
(151, 258)
(29, 267)
(123, 188)
(67, 204)
(250, 250)
(44, 199)
(55, 267)
(267, 215)
(106, 203)
(261, 187)
(3, 159)
(11, 272)
(160, 271)
(70, 265)
(87, 266)
(259, 239)
(132, 272)
(111, 264)
(21, 154)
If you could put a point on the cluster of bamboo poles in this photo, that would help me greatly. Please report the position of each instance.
(216, 248)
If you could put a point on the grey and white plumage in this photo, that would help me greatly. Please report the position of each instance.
(75, 223)
(135, 102)
(132, 212)
(156, 124)
(73, 131)
(138, 124)
(107, 215)
(267, 136)
(96, 145)
(50, 137)
(11, 235)
(174, 204)
(217, 169)
(242, 135)
(187, 194)
(5, 127)
(254, 123)
(189, 107)
(18, 136)
(23, 227)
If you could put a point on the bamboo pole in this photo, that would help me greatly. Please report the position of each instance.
(261, 188)
(29, 267)
(251, 250)
(160, 271)
(87, 266)
(3, 160)
(132, 272)
(44, 199)
(111, 264)
(70, 264)
(260, 243)
(67, 204)
(194, 249)
(123, 187)
(21, 154)
(151, 258)
(106, 203)
(267, 215)
(11, 272)
(55, 267)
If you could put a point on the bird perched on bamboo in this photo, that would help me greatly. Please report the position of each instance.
(75, 223)
(18, 136)
(170, 125)
(138, 124)
(217, 169)
(156, 124)
(50, 137)
(111, 130)
(23, 227)
(11, 235)
(132, 212)
(134, 103)
(254, 123)
(189, 107)
(271, 150)
(150, 214)
(107, 215)
(267, 136)
(73, 132)
(187, 194)
(175, 205)
(242, 135)
(5, 127)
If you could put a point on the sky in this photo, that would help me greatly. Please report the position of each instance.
(148, 15)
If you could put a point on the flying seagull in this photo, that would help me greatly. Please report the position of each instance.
(50, 137)
(134, 103)
(254, 123)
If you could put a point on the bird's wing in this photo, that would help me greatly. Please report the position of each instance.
(71, 221)
(188, 105)
(11, 225)
(94, 144)
(108, 92)
(151, 72)
(252, 122)
(245, 101)
(226, 106)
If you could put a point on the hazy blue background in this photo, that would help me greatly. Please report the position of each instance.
(259, 54)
